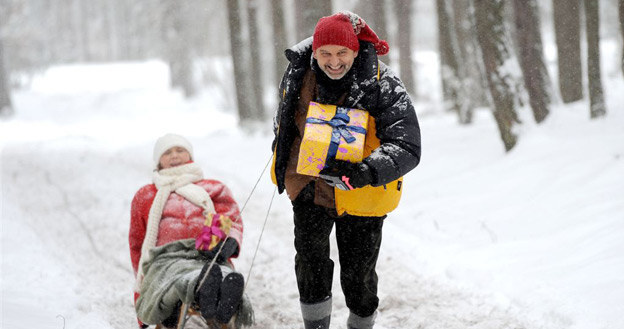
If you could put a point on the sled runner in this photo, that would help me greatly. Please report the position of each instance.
(194, 320)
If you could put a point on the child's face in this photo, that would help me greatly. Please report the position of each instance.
(174, 156)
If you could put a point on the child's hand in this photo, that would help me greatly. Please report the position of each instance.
(203, 241)
(230, 248)
(216, 227)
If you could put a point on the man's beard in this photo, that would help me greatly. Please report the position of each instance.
(335, 77)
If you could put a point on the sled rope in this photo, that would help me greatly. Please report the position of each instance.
(184, 315)
(266, 218)
(256, 185)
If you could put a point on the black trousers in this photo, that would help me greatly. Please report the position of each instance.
(358, 240)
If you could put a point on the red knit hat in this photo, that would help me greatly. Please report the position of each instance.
(345, 29)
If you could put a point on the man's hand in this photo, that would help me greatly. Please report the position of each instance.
(355, 174)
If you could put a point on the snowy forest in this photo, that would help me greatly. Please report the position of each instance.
(513, 219)
(491, 52)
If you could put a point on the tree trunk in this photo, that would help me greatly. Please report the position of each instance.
(473, 82)
(568, 39)
(255, 77)
(531, 54)
(237, 50)
(279, 38)
(307, 14)
(491, 36)
(180, 51)
(111, 26)
(592, 24)
(448, 61)
(378, 18)
(6, 106)
(621, 14)
(406, 70)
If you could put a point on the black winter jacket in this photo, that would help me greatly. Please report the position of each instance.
(386, 99)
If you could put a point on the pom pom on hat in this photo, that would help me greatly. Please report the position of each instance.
(346, 29)
(168, 141)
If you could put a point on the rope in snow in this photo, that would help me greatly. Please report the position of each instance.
(256, 185)
(266, 218)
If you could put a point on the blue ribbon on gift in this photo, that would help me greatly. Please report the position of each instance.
(339, 129)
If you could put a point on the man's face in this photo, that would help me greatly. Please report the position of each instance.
(335, 60)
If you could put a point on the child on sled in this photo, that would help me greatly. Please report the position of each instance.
(184, 231)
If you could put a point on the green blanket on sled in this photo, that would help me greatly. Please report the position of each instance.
(171, 275)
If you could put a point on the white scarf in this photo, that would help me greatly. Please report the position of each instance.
(180, 180)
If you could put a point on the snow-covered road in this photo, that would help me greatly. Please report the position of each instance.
(65, 251)
(482, 239)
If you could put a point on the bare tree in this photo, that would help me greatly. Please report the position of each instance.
(279, 38)
(455, 42)
(307, 14)
(471, 72)
(491, 36)
(179, 50)
(531, 54)
(568, 39)
(448, 61)
(621, 15)
(6, 106)
(238, 51)
(255, 76)
(406, 71)
(592, 23)
(377, 20)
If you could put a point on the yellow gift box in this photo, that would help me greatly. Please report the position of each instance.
(331, 131)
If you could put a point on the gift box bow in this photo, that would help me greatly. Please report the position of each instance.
(216, 228)
(340, 128)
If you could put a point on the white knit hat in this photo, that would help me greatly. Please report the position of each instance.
(168, 141)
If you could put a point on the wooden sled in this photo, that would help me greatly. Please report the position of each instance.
(194, 320)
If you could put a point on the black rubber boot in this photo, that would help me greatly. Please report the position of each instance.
(357, 322)
(208, 294)
(230, 297)
(317, 315)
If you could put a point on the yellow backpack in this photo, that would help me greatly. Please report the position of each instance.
(369, 200)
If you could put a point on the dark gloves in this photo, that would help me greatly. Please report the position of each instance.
(355, 175)
(230, 248)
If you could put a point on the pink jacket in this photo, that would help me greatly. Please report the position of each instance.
(181, 219)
